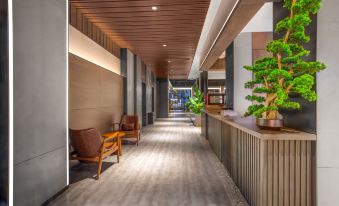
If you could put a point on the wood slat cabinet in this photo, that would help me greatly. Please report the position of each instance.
(270, 168)
(214, 135)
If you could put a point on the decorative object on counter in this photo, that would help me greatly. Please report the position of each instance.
(286, 71)
(229, 113)
(196, 104)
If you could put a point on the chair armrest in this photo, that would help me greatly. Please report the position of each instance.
(110, 136)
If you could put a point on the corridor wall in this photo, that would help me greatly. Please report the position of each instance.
(95, 95)
(242, 57)
(40, 100)
(327, 105)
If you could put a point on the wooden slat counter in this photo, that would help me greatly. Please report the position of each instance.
(269, 167)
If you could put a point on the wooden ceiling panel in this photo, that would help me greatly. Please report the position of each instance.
(134, 25)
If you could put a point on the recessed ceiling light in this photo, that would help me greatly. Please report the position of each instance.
(164, 45)
(169, 61)
(154, 8)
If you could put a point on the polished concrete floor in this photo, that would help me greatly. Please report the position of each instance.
(173, 165)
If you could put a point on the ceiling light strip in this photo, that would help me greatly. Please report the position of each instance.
(67, 123)
(221, 30)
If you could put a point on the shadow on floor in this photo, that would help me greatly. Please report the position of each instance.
(80, 171)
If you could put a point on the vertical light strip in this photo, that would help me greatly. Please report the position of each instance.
(10, 80)
(67, 144)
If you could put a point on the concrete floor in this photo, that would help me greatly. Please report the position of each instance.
(173, 165)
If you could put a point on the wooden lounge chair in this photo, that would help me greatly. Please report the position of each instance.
(129, 124)
(90, 146)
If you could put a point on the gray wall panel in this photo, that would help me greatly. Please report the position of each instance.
(39, 77)
(327, 105)
(40, 178)
(149, 84)
(39, 99)
(162, 93)
(242, 57)
(138, 88)
(130, 83)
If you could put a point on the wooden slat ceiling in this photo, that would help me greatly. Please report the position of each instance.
(134, 25)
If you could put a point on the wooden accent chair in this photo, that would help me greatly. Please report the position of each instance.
(129, 124)
(90, 146)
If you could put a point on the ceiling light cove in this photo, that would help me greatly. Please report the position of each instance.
(154, 8)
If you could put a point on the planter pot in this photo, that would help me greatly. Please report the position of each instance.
(197, 122)
(270, 124)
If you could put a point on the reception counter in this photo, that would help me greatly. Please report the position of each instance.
(269, 167)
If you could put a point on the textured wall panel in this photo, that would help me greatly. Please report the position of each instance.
(39, 74)
(95, 95)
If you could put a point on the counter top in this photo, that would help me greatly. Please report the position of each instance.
(248, 124)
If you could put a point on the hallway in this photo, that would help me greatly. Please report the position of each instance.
(173, 165)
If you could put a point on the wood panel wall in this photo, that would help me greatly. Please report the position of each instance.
(95, 95)
(219, 65)
(259, 42)
(80, 22)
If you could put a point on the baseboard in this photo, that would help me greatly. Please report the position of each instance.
(54, 196)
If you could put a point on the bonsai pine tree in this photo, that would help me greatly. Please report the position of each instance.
(285, 71)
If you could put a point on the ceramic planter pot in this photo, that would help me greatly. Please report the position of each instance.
(197, 120)
(270, 124)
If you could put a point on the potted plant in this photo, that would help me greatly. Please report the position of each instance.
(286, 71)
(196, 104)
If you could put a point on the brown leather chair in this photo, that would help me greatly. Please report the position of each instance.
(129, 124)
(90, 146)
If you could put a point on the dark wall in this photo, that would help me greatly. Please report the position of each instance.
(204, 83)
(123, 73)
(135, 67)
(162, 90)
(229, 79)
(40, 100)
(304, 119)
(144, 113)
(4, 84)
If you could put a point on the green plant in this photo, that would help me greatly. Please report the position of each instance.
(196, 102)
(285, 71)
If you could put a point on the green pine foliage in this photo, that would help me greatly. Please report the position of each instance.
(286, 71)
(196, 102)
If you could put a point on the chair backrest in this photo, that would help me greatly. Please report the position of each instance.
(130, 119)
(86, 142)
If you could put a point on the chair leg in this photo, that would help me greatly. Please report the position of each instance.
(118, 156)
(120, 147)
(99, 167)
